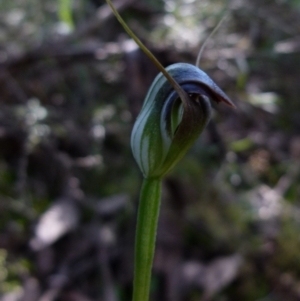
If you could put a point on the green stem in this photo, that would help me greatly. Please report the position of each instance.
(182, 94)
(145, 237)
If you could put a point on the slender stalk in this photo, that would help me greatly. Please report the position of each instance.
(145, 237)
(182, 94)
(207, 39)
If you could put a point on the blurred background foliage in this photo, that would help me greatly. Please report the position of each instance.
(71, 86)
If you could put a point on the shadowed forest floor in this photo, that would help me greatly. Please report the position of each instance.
(71, 85)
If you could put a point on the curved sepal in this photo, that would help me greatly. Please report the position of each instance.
(167, 125)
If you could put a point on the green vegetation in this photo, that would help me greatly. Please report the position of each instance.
(69, 184)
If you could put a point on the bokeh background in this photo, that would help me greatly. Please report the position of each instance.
(71, 85)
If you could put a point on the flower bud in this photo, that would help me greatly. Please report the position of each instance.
(167, 126)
